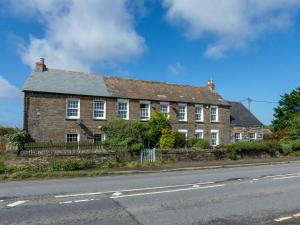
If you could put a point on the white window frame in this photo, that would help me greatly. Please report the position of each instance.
(78, 112)
(123, 101)
(78, 137)
(197, 131)
(255, 137)
(103, 136)
(217, 113)
(149, 110)
(185, 114)
(104, 109)
(168, 108)
(183, 131)
(240, 137)
(218, 137)
(202, 112)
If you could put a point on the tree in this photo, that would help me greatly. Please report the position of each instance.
(157, 123)
(289, 106)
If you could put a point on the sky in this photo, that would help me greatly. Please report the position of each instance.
(249, 48)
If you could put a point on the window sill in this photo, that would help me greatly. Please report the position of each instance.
(72, 118)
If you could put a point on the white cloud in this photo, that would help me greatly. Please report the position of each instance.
(8, 91)
(81, 33)
(175, 69)
(233, 24)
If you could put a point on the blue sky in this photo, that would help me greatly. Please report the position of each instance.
(249, 48)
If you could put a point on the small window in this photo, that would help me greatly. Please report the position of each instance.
(237, 137)
(72, 138)
(165, 108)
(99, 137)
(144, 110)
(182, 115)
(99, 109)
(214, 137)
(199, 133)
(183, 131)
(199, 113)
(123, 109)
(214, 113)
(73, 108)
(252, 137)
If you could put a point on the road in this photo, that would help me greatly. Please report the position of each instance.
(248, 195)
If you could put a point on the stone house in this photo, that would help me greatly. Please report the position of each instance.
(244, 125)
(68, 106)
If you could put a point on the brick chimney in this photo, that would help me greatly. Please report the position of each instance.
(211, 85)
(40, 65)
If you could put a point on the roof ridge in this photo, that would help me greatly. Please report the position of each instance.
(125, 78)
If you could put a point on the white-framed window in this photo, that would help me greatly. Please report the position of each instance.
(73, 108)
(123, 108)
(99, 109)
(252, 137)
(99, 137)
(144, 110)
(182, 114)
(237, 137)
(199, 113)
(214, 137)
(199, 133)
(72, 137)
(214, 113)
(183, 131)
(165, 108)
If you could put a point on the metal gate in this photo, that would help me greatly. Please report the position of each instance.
(148, 155)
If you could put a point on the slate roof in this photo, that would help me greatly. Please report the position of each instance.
(240, 116)
(79, 83)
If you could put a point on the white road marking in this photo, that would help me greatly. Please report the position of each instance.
(283, 178)
(296, 215)
(282, 175)
(283, 218)
(82, 200)
(16, 203)
(128, 190)
(116, 194)
(196, 186)
(1, 200)
(67, 202)
(168, 191)
(255, 179)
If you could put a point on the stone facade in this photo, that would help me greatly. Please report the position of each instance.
(45, 117)
(245, 132)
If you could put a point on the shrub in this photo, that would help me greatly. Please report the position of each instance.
(199, 143)
(252, 149)
(156, 124)
(71, 165)
(20, 139)
(125, 135)
(180, 140)
(167, 140)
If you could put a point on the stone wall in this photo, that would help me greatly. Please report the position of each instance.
(45, 117)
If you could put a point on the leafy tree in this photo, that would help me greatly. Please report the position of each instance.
(289, 106)
(157, 123)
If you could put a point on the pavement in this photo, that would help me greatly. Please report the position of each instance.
(266, 194)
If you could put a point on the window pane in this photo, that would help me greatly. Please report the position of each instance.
(72, 108)
(198, 113)
(99, 109)
(71, 138)
(144, 111)
(97, 138)
(181, 112)
(122, 110)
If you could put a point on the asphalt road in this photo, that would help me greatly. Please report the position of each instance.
(249, 195)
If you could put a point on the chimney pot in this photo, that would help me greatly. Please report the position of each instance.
(211, 85)
(40, 65)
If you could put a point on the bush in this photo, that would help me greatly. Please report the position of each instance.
(180, 140)
(125, 135)
(252, 149)
(20, 139)
(199, 143)
(157, 123)
(167, 140)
